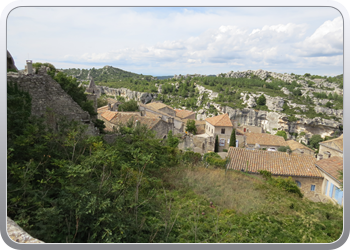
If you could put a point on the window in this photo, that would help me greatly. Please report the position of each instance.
(313, 187)
(223, 131)
(298, 183)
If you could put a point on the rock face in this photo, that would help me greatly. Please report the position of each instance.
(10, 62)
(273, 121)
(128, 94)
(17, 234)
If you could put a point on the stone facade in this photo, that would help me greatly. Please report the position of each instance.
(197, 143)
(306, 183)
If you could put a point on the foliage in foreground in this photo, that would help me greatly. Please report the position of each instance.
(66, 187)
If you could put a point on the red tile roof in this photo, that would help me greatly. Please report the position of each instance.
(183, 113)
(296, 145)
(109, 115)
(220, 121)
(278, 163)
(331, 166)
(264, 139)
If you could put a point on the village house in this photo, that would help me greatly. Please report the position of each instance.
(331, 186)
(301, 168)
(113, 119)
(152, 111)
(222, 127)
(331, 148)
(298, 148)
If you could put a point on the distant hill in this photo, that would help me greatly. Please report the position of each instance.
(105, 74)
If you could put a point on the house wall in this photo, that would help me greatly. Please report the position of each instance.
(333, 152)
(197, 144)
(326, 188)
(192, 117)
(169, 111)
(216, 130)
(253, 129)
(162, 129)
(306, 183)
(241, 140)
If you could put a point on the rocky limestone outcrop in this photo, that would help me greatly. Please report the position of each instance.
(17, 234)
(262, 74)
(10, 62)
(273, 121)
(143, 97)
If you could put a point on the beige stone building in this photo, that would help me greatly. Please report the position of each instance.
(162, 107)
(301, 168)
(222, 127)
(298, 148)
(331, 186)
(331, 148)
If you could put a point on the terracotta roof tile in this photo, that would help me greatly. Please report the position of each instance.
(265, 139)
(109, 115)
(220, 120)
(125, 117)
(183, 113)
(278, 163)
(331, 166)
(157, 105)
(296, 145)
(102, 109)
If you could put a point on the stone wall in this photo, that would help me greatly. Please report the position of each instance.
(306, 183)
(197, 143)
(49, 98)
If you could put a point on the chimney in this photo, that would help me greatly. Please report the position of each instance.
(319, 157)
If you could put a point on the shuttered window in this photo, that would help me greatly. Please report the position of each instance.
(313, 187)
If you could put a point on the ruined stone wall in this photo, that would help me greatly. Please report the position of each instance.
(49, 98)
(162, 128)
(197, 144)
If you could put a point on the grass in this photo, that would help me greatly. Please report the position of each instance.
(246, 209)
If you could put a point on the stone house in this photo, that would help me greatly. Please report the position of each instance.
(298, 148)
(331, 186)
(250, 129)
(150, 111)
(267, 141)
(331, 148)
(222, 127)
(112, 119)
(301, 168)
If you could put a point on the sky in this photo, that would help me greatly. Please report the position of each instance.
(175, 40)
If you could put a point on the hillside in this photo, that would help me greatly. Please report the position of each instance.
(105, 74)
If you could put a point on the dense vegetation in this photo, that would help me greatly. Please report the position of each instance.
(105, 74)
(63, 186)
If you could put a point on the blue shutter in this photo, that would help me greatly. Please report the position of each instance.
(325, 192)
(331, 190)
(312, 187)
(338, 195)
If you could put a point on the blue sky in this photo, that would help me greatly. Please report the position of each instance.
(166, 41)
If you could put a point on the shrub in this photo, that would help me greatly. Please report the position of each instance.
(315, 140)
(128, 106)
(265, 174)
(261, 100)
(224, 150)
(282, 133)
(191, 126)
(283, 148)
(286, 184)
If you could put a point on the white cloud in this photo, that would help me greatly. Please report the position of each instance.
(327, 40)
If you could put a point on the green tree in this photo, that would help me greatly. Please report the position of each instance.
(261, 100)
(329, 104)
(191, 126)
(102, 101)
(282, 133)
(315, 140)
(128, 106)
(283, 149)
(233, 138)
(172, 141)
(216, 144)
